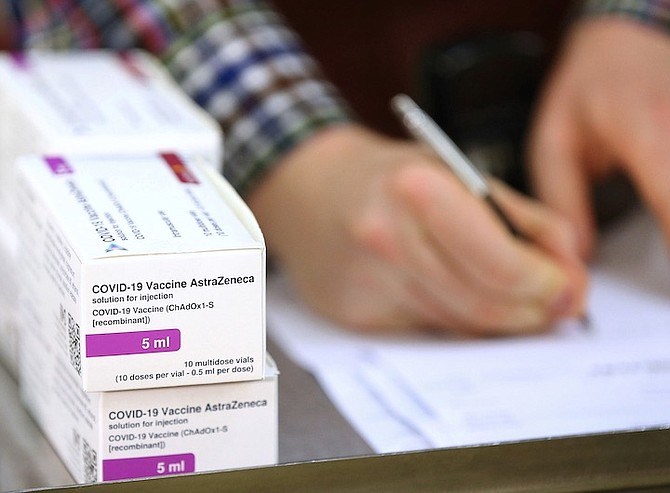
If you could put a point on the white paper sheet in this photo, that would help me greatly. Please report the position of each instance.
(412, 391)
(530, 390)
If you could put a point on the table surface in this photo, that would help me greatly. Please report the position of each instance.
(310, 428)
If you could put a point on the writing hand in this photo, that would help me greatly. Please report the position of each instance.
(376, 234)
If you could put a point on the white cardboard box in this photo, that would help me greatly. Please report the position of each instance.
(89, 102)
(151, 432)
(93, 101)
(155, 262)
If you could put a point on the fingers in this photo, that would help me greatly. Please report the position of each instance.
(433, 289)
(464, 269)
(553, 234)
(606, 106)
(559, 176)
(652, 179)
(646, 158)
(539, 224)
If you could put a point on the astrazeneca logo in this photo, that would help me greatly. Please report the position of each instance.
(113, 247)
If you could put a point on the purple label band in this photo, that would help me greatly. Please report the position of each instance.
(20, 59)
(119, 343)
(146, 467)
(58, 165)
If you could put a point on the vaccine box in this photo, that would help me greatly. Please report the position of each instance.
(90, 102)
(155, 264)
(134, 434)
(96, 101)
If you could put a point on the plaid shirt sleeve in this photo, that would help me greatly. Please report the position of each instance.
(655, 13)
(235, 58)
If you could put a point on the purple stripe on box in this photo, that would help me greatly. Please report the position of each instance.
(145, 467)
(58, 165)
(119, 343)
(20, 59)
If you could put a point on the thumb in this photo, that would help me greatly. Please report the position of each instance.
(561, 180)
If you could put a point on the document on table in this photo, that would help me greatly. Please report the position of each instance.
(411, 391)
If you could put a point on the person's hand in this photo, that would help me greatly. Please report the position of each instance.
(377, 234)
(606, 107)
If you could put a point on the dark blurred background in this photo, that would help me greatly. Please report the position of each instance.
(373, 49)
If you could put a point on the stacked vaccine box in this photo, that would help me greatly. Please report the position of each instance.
(142, 308)
(85, 103)
(140, 272)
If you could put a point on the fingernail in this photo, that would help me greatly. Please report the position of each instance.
(562, 304)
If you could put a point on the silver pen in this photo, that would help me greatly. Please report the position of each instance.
(424, 129)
